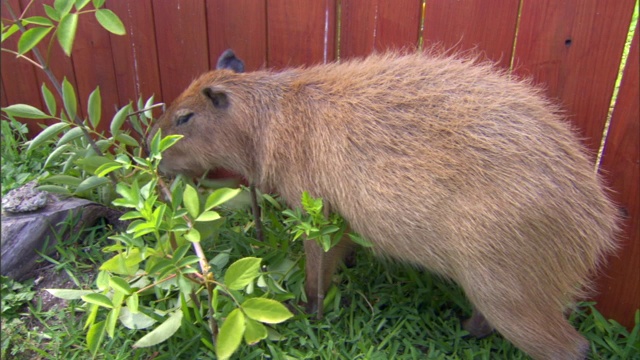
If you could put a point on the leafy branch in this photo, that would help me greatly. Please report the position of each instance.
(65, 31)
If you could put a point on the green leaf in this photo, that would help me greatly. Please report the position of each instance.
(193, 235)
(266, 310)
(49, 100)
(38, 20)
(31, 38)
(191, 201)
(168, 142)
(120, 284)
(230, 334)
(95, 107)
(219, 197)
(208, 216)
(63, 180)
(67, 32)
(133, 301)
(154, 146)
(112, 320)
(46, 135)
(242, 272)
(254, 332)
(69, 99)
(10, 31)
(25, 111)
(54, 189)
(107, 168)
(70, 135)
(187, 261)
(93, 313)
(95, 335)
(80, 4)
(98, 3)
(180, 252)
(55, 154)
(149, 113)
(92, 163)
(110, 21)
(135, 320)
(63, 6)
(118, 119)
(162, 332)
(102, 281)
(91, 182)
(356, 238)
(98, 299)
(127, 140)
(124, 263)
(69, 294)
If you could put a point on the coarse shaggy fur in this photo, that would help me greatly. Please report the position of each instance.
(439, 161)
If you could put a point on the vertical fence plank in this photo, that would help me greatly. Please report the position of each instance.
(573, 47)
(240, 25)
(620, 286)
(18, 76)
(300, 32)
(3, 95)
(484, 26)
(93, 66)
(135, 55)
(181, 35)
(368, 26)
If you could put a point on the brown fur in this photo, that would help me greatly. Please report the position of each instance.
(439, 161)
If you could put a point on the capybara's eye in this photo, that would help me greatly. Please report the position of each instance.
(183, 119)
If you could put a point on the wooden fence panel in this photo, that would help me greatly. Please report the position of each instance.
(135, 55)
(300, 32)
(478, 25)
(573, 48)
(181, 35)
(3, 95)
(367, 26)
(620, 287)
(240, 25)
(92, 51)
(18, 76)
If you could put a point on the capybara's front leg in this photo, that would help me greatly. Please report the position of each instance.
(320, 268)
(477, 325)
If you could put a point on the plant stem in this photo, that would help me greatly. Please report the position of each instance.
(22, 57)
(58, 86)
(204, 265)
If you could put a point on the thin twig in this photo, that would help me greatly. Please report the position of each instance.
(18, 55)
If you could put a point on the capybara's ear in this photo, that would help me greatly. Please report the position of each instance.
(228, 60)
(218, 98)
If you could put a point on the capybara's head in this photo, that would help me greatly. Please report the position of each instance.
(208, 114)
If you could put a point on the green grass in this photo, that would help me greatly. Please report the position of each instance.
(18, 166)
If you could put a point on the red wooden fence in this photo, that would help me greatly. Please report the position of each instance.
(572, 47)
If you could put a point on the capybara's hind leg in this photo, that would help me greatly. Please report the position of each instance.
(320, 268)
(477, 325)
(541, 331)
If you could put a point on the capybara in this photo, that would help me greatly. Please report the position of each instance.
(444, 162)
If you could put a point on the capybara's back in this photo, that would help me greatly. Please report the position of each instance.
(439, 161)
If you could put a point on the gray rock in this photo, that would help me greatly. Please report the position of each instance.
(24, 199)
